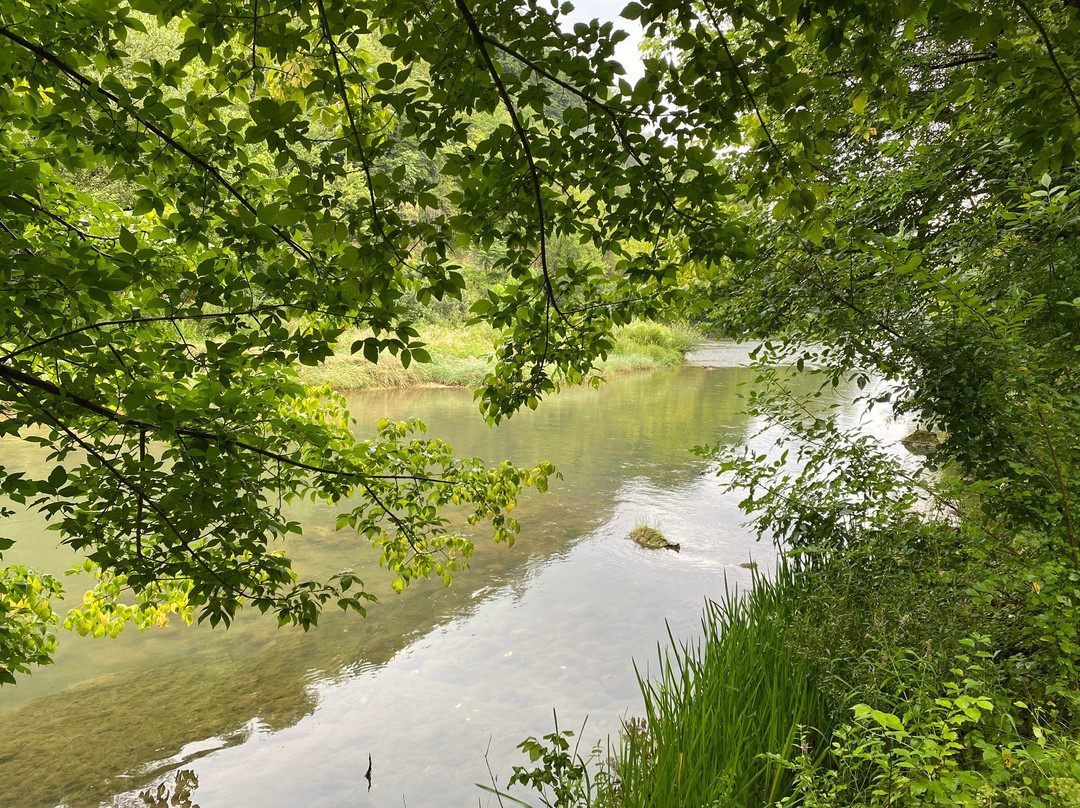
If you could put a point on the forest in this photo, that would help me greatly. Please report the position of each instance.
(202, 204)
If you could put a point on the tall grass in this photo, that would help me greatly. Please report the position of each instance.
(461, 357)
(647, 344)
(725, 711)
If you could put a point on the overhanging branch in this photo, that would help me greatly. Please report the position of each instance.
(523, 137)
(18, 377)
(95, 89)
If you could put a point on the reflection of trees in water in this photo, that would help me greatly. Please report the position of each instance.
(178, 796)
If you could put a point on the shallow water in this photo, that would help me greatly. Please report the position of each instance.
(436, 685)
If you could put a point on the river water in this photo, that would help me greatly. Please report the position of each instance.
(439, 684)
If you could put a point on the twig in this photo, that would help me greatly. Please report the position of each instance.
(491, 775)
(523, 137)
(1061, 487)
(1050, 51)
(364, 162)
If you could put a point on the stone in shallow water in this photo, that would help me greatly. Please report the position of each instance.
(652, 538)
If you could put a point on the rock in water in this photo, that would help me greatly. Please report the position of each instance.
(652, 539)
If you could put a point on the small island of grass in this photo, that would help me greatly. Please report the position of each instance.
(652, 538)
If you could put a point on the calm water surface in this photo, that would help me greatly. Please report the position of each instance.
(433, 680)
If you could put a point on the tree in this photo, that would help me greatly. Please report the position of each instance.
(240, 173)
(199, 196)
(916, 181)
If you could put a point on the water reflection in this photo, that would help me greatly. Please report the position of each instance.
(424, 685)
(173, 795)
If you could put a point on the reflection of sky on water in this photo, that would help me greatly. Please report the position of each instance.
(566, 639)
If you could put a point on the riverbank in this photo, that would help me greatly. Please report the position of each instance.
(461, 356)
(839, 684)
(894, 659)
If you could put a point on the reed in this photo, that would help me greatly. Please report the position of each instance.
(725, 711)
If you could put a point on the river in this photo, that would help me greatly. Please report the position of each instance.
(438, 684)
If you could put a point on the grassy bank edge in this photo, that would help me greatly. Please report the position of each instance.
(747, 717)
(461, 356)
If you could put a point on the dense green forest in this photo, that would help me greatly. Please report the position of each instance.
(198, 198)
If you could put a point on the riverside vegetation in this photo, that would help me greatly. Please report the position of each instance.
(920, 642)
(893, 182)
(461, 357)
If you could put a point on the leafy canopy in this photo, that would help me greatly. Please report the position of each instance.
(197, 196)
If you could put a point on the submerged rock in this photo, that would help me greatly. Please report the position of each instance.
(652, 538)
(921, 442)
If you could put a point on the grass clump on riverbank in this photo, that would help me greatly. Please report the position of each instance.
(726, 714)
(460, 357)
(725, 719)
(843, 683)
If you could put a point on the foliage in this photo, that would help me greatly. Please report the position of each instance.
(945, 750)
(563, 778)
(197, 198)
(26, 620)
(918, 228)
(916, 167)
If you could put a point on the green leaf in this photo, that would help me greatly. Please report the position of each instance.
(371, 351)
(128, 240)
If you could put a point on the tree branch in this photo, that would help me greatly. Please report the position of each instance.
(1050, 52)
(131, 424)
(96, 89)
(364, 163)
(746, 86)
(141, 320)
(109, 466)
(82, 234)
(523, 137)
(610, 110)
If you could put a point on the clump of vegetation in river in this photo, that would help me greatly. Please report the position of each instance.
(651, 538)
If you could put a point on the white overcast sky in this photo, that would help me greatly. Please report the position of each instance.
(626, 52)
